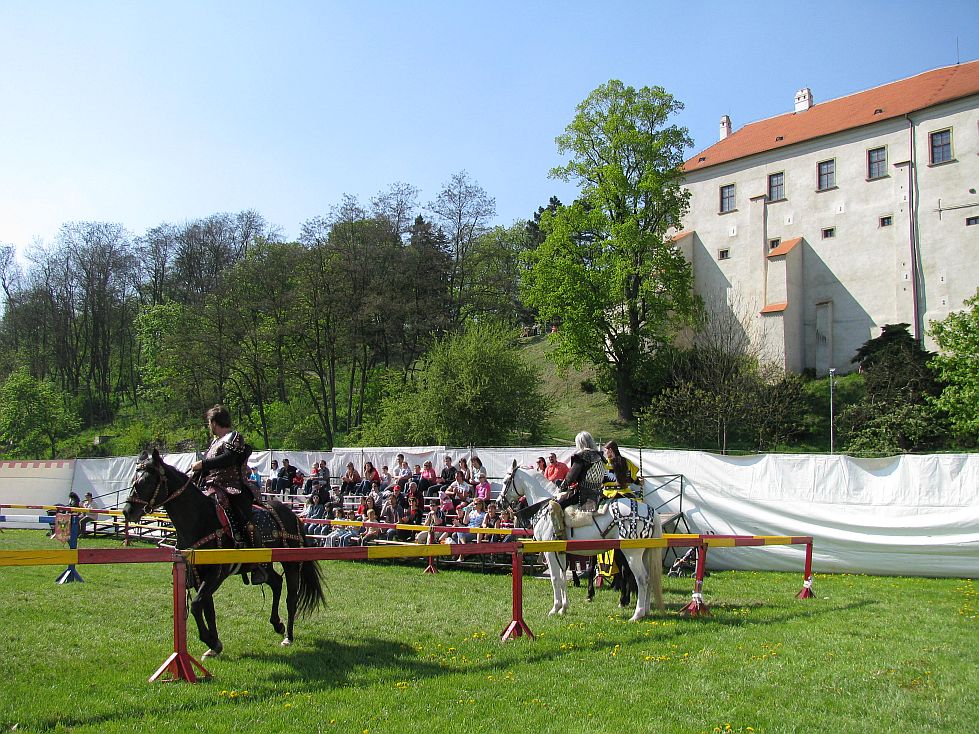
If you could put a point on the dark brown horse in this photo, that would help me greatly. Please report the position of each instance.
(194, 515)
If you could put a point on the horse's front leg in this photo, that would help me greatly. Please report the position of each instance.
(634, 557)
(274, 580)
(202, 607)
(556, 566)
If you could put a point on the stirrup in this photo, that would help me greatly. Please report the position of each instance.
(259, 576)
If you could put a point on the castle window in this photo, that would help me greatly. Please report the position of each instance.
(723, 254)
(970, 221)
(886, 221)
(776, 186)
(876, 163)
(774, 242)
(941, 146)
(727, 198)
(826, 174)
(829, 232)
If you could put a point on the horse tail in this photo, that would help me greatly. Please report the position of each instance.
(654, 564)
(310, 591)
(310, 587)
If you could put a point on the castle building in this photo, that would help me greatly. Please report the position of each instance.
(826, 223)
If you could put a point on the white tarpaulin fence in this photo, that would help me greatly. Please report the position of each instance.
(908, 515)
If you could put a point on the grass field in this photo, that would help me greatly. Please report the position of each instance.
(399, 651)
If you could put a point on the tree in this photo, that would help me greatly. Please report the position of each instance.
(473, 389)
(606, 270)
(957, 336)
(33, 416)
(897, 412)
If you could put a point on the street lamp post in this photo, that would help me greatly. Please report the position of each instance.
(832, 436)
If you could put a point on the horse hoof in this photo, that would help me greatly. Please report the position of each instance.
(286, 642)
(211, 653)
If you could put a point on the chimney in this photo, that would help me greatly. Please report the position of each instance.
(803, 99)
(725, 126)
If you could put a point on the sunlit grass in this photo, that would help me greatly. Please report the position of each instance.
(400, 651)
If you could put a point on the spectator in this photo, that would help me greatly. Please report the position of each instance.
(385, 477)
(414, 492)
(459, 489)
(448, 474)
(507, 523)
(370, 476)
(376, 495)
(254, 476)
(366, 505)
(483, 489)
(349, 534)
(370, 533)
(314, 509)
(472, 518)
(285, 477)
(402, 472)
(556, 470)
(433, 518)
(332, 540)
(272, 481)
(464, 468)
(413, 516)
(350, 480)
(478, 471)
(541, 465)
(89, 503)
(492, 520)
(392, 512)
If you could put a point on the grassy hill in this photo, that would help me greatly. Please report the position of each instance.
(574, 408)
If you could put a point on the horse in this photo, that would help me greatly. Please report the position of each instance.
(615, 519)
(198, 525)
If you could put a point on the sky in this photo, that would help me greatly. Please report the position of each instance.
(142, 113)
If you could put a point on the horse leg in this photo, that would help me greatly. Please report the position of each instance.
(574, 573)
(592, 566)
(654, 567)
(202, 608)
(559, 584)
(627, 580)
(634, 556)
(292, 572)
(275, 581)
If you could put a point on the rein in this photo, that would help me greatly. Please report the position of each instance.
(152, 503)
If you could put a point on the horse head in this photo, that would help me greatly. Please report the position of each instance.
(150, 489)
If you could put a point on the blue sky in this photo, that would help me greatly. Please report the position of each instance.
(141, 112)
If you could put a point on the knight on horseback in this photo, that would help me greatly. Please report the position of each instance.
(582, 487)
(223, 475)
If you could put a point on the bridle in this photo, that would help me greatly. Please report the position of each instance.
(154, 503)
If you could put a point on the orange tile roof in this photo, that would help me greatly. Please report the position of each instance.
(775, 307)
(784, 247)
(680, 235)
(863, 108)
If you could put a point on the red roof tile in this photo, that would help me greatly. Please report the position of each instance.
(785, 247)
(775, 307)
(863, 108)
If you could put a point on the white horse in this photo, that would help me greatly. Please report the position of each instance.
(614, 520)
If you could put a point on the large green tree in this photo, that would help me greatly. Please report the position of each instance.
(957, 336)
(473, 388)
(606, 270)
(34, 414)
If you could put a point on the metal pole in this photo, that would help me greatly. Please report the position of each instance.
(832, 431)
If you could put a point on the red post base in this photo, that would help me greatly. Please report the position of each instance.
(806, 592)
(517, 627)
(696, 608)
(180, 665)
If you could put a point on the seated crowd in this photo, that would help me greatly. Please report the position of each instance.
(459, 496)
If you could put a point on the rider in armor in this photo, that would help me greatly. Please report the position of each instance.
(583, 484)
(223, 472)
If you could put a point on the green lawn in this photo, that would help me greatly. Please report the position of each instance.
(400, 651)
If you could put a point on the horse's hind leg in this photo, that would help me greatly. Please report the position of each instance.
(592, 566)
(559, 584)
(275, 581)
(634, 556)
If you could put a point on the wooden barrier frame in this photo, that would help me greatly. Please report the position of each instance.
(180, 664)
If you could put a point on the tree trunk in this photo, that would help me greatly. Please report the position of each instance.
(623, 395)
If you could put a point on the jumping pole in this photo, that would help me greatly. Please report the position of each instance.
(70, 574)
(180, 665)
(517, 626)
(807, 592)
(697, 607)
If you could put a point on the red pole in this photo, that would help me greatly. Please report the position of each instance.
(180, 665)
(517, 626)
(807, 592)
(430, 568)
(697, 607)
